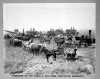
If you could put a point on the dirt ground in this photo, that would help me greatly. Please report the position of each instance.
(19, 61)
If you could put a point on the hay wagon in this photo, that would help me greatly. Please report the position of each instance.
(68, 50)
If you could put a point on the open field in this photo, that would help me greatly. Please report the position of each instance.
(22, 62)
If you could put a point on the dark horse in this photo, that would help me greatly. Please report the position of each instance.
(49, 53)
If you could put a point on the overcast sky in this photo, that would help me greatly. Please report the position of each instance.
(43, 16)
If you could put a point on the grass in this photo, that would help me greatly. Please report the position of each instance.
(17, 61)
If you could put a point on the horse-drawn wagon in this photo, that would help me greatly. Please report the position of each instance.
(67, 48)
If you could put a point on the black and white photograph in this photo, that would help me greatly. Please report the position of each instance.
(50, 39)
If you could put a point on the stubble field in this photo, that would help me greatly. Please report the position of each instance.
(19, 61)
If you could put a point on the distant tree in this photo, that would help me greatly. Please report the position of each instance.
(51, 32)
(71, 32)
(59, 31)
(82, 36)
(16, 31)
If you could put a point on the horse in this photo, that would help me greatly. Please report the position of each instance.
(39, 49)
(48, 53)
(35, 48)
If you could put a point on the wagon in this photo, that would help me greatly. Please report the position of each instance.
(69, 50)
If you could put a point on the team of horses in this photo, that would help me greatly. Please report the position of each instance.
(38, 49)
(41, 48)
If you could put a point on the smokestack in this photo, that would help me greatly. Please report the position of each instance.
(90, 33)
(90, 40)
